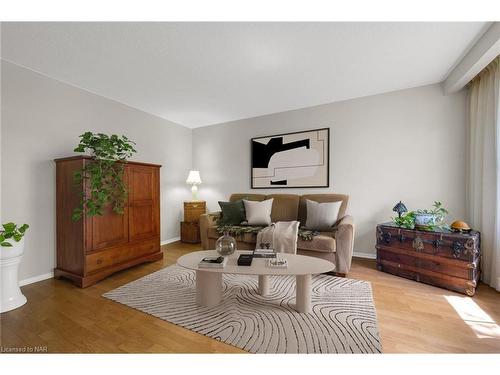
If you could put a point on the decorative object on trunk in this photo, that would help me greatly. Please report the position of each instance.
(422, 219)
(400, 208)
(225, 245)
(291, 160)
(11, 254)
(430, 219)
(194, 180)
(460, 226)
(406, 220)
(104, 175)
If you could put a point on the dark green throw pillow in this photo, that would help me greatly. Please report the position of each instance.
(233, 213)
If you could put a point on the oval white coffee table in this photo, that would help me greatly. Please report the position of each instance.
(209, 280)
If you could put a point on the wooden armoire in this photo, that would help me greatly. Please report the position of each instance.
(94, 247)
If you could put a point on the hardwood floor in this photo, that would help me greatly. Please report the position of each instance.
(412, 317)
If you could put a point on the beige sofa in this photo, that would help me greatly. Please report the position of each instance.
(335, 245)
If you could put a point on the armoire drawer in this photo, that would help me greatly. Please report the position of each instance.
(119, 254)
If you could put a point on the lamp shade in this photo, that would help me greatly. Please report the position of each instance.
(400, 208)
(193, 178)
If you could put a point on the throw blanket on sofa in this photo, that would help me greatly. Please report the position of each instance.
(238, 230)
(282, 236)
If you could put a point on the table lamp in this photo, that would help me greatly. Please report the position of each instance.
(400, 208)
(194, 180)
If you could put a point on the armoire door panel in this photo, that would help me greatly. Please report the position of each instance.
(144, 221)
(109, 229)
(141, 183)
(141, 221)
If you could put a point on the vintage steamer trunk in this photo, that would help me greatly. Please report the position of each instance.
(441, 258)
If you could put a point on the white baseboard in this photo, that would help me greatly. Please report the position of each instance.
(36, 279)
(364, 255)
(170, 240)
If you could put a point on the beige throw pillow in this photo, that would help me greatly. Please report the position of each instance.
(322, 216)
(258, 213)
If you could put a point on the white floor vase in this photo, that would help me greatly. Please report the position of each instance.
(10, 257)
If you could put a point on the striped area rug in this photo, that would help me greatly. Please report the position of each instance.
(343, 318)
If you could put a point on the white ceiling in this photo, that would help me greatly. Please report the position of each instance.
(198, 74)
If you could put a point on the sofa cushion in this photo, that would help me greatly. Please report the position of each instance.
(258, 213)
(321, 216)
(285, 207)
(320, 198)
(233, 213)
(324, 242)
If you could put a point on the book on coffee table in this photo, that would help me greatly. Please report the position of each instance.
(213, 262)
(264, 253)
(245, 260)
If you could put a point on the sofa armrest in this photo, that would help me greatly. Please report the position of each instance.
(344, 237)
(207, 221)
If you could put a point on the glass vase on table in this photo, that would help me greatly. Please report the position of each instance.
(225, 245)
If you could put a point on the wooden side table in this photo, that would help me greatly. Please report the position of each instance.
(190, 227)
(193, 210)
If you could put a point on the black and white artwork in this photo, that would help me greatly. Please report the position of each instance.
(292, 160)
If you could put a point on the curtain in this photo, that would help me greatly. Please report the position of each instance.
(483, 169)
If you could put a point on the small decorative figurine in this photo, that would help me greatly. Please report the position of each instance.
(460, 226)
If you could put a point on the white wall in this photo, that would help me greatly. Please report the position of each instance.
(41, 120)
(407, 145)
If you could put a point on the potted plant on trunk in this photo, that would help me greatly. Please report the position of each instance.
(430, 219)
(11, 253)
(424, 219)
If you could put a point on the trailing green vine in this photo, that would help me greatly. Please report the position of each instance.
(104, 174)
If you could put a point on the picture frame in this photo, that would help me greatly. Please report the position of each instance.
(291, 160)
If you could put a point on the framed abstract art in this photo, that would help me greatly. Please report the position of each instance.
(291, 160)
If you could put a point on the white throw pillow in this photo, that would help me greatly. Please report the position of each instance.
(258, 213)
(322, 216)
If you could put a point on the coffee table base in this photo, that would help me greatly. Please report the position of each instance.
(264, 285)
(209, 289)
(303, 293)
